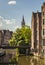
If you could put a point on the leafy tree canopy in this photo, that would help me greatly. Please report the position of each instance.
(21, 36)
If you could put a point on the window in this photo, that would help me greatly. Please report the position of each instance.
(43, 42)
(43, 13)
(43, 21)
(43, 31)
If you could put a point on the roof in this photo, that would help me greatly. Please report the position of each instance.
(35, 14)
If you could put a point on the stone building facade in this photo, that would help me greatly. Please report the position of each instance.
(38, 30)
(43, 26)
(1, 37)
(5, 36)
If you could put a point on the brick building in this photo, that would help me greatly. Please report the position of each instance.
(1, 37)
(38, 30)
(5, 36)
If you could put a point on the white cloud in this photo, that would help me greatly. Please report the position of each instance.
(16, 27)
(1, 24)
(7, 23)
(1, 17)
(12, 2)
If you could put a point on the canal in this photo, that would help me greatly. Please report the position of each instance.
(11, 59)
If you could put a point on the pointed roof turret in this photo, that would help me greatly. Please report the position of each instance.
(23, 21)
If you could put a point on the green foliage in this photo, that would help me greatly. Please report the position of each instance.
(21, 36)
(26, 33)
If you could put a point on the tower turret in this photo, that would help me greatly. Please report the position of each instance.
(23, 22)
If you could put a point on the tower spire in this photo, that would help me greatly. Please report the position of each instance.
(23, 22)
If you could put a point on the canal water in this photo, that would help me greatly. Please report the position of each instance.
(28, 60)
(21, 60)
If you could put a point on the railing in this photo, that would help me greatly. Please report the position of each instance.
(13, 47)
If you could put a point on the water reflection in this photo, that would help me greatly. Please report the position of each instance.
(22, 60)
(27, 60)
(9, 58)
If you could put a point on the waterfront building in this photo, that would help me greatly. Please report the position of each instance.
(5, 36)
(38, 30)
(1, 37)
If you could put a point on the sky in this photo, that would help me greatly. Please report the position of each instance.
(12, 11)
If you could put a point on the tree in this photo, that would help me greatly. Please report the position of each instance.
(21, 37)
